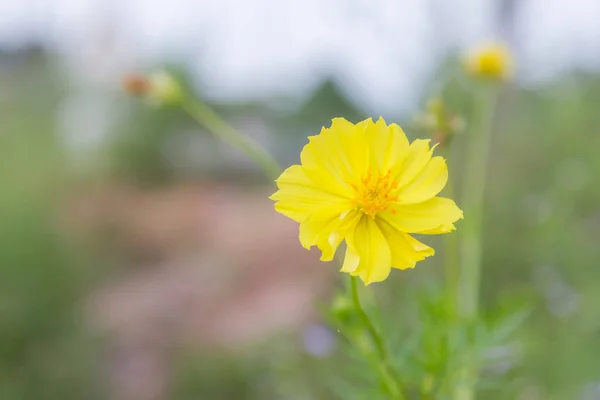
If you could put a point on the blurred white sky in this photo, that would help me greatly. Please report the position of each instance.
(382, 51)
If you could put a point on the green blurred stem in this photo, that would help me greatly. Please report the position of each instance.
(227, 133)
(389, 376)
(450, 243)
(476, 160)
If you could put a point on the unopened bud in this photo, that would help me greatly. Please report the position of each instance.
(159, 88)
(164, 89)
(136, 85)
(438, 123)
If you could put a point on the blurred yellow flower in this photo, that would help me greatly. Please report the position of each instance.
(492, 61)
(367, 185)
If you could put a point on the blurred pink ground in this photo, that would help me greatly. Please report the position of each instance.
(212, 265)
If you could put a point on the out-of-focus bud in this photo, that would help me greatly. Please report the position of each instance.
(160, 88)
(136, 85)
(438, 123)
(164, 89)
(493, 61)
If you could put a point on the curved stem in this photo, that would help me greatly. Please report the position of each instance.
(224, 131)
(388, 374)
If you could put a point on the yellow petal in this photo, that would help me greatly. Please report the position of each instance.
(427, 184)
(420, 217)
(388, 145)
(439, 230)
(369, 243)
(362, 126)
(406, 250)
(337, 157)
(298, 196)
(319, 223)
(351, 260)
(416, 159)
(333, 234)
(328, 245)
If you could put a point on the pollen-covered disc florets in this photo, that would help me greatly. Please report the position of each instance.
(375, 192)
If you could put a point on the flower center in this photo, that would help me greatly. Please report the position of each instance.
(374, 192)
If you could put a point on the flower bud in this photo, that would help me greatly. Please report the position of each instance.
(164, 89)
(438, 123)
(159, 88)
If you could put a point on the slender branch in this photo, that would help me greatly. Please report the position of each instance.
(224, 131)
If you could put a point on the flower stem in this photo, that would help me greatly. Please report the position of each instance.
(224, 131)
(450, 245)
(388, 374)
(476, 159)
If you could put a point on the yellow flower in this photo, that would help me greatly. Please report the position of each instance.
(492, 61)
(367, 185)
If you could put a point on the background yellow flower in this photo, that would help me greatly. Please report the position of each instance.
(492, 60)
(367, 185)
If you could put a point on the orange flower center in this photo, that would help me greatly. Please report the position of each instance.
(375, 192)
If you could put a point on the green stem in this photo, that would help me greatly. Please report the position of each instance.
(388, 374)
(450, 244)
(476, 159)
(224, 131)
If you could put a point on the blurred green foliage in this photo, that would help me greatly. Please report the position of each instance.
(45, 349)
(541, 229)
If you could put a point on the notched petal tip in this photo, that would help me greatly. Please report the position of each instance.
(449, 228)
(306, 245)
(338, 119)
(366, 282)
(325, 257)
(340, 123)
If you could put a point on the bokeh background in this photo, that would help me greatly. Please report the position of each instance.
(140, 259)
